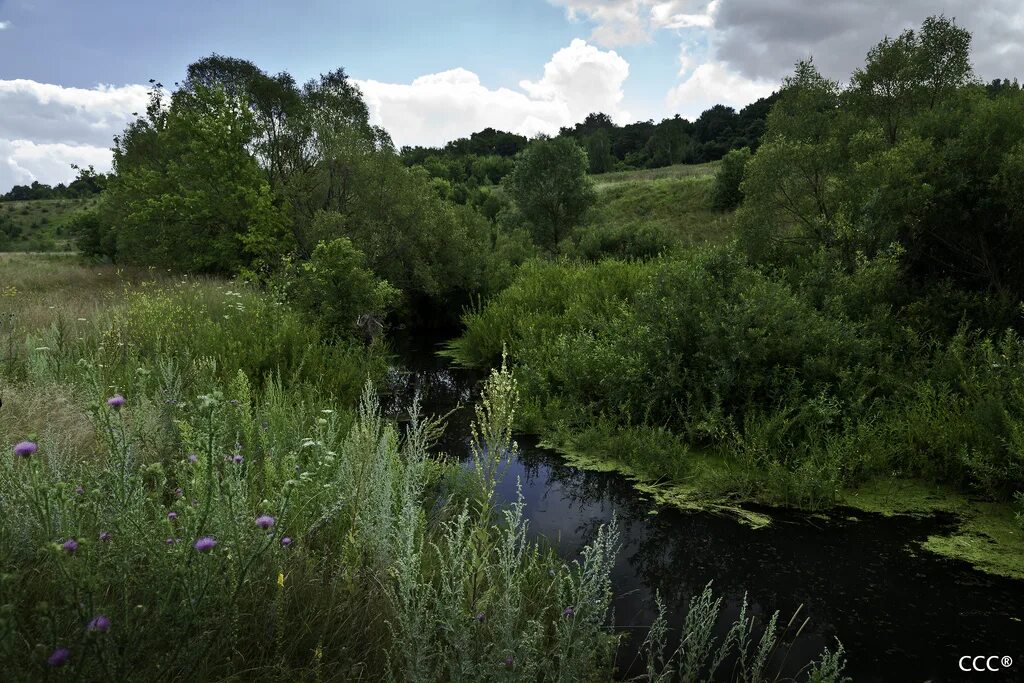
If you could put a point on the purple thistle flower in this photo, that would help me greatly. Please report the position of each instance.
(70, 546)
(25, 448)
(193, 458)
(79, 490)
(509, 662)
(178, 493)
(286, 541)
(105, 536)
(59, 657)
(265, 522)
(205, 544)
(480, 617)
(169, 541)
(237, 459)
(100, 623)
(116, 401)
(172, 515)
(569, 612)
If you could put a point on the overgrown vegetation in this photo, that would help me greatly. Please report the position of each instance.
(865, 322)
(198, 485)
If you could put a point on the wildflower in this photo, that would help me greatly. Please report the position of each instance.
(237, 459)
(172, 515)
(25, 448)
(480, 617)
(569, 612)
(264, 522)
(205, 544)
(286, 541)
(105, 536)
(100, 623)
(178, 493)
(70, 546)
(509, 662)
(59, 657)
(169, 541)
(193, 458)
(79, 490)
(116, 401)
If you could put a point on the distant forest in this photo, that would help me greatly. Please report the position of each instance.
(87, 184)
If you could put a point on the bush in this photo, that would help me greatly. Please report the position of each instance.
(336, 288)
(727, 193)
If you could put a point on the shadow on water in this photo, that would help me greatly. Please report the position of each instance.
(901, 613)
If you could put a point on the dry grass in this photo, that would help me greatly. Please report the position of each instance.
(36, 290)
(52, 414)
(678, 171)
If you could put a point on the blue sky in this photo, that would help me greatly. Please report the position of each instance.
(72, 72)
(119, 42)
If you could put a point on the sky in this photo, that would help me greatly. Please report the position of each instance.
(72, 73)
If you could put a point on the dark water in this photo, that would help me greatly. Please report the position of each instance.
(901, 614)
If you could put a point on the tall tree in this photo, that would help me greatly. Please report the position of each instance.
(550, 187)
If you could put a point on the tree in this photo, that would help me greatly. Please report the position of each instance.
(550, 187)
(914, 72)
(187, 194)
(727, 194)
(599, 152)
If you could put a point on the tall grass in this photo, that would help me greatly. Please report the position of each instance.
(214, 494)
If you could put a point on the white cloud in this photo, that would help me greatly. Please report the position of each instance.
(625, 22)
(436, 108)
(4, 25)
(714, 83)
(22, 161)
(45, 128)
(585, 79)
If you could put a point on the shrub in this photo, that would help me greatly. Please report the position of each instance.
(727, 193)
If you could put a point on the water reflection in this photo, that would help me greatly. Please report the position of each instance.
(902, 615)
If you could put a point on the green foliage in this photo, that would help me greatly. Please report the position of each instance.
(700, 656)
(549, 185)
(335, 287)
(335, 547)
(186, 194)
(41, 224)
(727, 194)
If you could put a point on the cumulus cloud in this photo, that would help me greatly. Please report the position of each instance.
(4, 25)
(23, 161)
(45, 128)
(43, 112)
(623, 22)
(436, 108)
(713, 83)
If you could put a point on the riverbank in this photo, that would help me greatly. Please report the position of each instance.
(986, 535)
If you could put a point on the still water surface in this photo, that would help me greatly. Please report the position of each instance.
(901, 613)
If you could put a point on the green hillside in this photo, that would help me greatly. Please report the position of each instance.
(39, 224)
(642, 213)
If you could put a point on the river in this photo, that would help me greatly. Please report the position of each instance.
(902, 614)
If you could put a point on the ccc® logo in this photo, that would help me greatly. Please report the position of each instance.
(983, 663)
